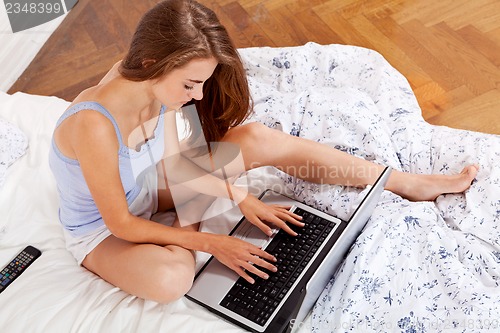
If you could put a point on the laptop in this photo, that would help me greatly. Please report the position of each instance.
(305, 265)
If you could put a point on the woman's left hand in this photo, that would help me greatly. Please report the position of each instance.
(257, 212)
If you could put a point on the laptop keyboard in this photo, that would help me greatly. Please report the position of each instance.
(258, 301)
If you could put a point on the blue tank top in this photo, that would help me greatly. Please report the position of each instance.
(77, 210)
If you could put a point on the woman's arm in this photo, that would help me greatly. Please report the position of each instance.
(181, 170)
(96, 147)
(184, 173)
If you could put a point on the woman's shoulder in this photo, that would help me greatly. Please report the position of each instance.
(95, 99)
(91, 94)
(84, 121)
(89, 118)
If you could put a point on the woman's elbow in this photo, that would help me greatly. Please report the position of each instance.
(119, 225)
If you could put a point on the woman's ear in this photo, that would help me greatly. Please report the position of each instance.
(148, 62)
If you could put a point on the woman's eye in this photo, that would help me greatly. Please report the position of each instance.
(188, 87)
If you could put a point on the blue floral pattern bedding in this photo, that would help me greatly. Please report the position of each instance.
(13, 145)
(417, 266)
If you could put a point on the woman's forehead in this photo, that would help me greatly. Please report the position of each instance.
(198, 70)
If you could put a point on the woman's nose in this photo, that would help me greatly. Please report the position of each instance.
(197, 92)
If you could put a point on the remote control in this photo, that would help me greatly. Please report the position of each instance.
(17, 266)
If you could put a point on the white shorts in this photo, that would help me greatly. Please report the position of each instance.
(145, 205)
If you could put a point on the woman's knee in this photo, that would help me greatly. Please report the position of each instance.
(173, 281)
(257, 132)
(253, 133)
(256, 141)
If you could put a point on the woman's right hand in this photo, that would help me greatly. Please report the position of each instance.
(261, 214)
(239, 256)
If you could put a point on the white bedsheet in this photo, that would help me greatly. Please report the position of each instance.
(55, 294)
(414, 265)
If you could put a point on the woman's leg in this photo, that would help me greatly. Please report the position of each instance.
(320, 163)
(160, 273)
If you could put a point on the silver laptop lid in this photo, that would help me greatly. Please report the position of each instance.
(336, 255)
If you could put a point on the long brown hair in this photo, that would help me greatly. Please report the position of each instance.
(175, 32)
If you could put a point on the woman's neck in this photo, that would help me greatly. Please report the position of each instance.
(132, 100)
(134, 96)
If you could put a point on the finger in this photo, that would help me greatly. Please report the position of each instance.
(261, 225)
(264, 255)
(254, 270)
(291, 219)
(282, 225)
(244, 275)
(285, 227)
(286, 209)
(295, 216)
(282, 206)
(264, 264)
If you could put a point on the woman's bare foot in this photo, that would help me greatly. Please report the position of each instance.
(416, 187)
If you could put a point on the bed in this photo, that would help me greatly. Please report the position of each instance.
(416, 267)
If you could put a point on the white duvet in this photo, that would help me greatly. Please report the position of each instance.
(417, 267)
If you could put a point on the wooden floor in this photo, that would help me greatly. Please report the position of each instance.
(449, 50)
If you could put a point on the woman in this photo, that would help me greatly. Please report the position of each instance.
(180, 52)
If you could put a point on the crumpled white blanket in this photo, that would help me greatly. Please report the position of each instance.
(417, 266)
(13, 145)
